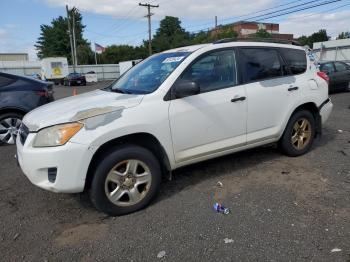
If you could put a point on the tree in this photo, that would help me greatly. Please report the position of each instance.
(54, 40)
(169, 35)
(116, 53)
(319, 36)
(344, 35)
(262, 33)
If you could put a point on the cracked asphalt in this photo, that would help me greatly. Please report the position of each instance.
(282, 209)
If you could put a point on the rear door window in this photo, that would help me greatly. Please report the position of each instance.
(340, 67)
(295, 60)
(260, 64)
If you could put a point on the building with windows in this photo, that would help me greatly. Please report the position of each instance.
(14, 57)
(249, 28)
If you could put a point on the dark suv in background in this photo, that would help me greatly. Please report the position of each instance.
(18, 96)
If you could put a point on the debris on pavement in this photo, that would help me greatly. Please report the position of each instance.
(221, 209)
(285, 172)
(16, 236)
(342, 152)
(340, 131)
(161, 254)
(219, 184)
(269, 210)
(335, 250)
(228, 240)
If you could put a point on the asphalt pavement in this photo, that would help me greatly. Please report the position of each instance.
(282, 209)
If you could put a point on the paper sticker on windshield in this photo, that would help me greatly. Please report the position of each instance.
(173, 59)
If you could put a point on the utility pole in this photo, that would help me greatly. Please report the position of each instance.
(216, 27)
(74, 40)
(149, 24)
(70, 38)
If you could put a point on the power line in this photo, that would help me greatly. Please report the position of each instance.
(302, 9)
(332, 9)
(306, 3)
(282, 14)
(256, 12)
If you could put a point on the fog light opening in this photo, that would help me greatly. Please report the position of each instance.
(51, 174)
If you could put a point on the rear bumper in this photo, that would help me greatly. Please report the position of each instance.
(325, 110)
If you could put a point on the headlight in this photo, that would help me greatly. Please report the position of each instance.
(56, 135)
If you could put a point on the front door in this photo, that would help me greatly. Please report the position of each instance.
(215, 120)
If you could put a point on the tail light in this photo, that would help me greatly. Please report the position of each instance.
(324, 76)
(42, 93)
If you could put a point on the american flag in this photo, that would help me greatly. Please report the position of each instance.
(99, 48)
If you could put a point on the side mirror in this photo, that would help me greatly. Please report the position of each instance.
(183, 88)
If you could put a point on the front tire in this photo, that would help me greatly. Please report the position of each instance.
(9, 125)
(299, 134)
(125, 180)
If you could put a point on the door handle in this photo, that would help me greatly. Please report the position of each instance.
(242, 98)
(293, 88)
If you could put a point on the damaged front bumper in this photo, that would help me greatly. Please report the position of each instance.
(59, 169)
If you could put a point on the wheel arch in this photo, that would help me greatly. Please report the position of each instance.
(145, 140)
(313, 108)
(12, 110)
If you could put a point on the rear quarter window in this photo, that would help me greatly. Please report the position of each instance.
(295, 60)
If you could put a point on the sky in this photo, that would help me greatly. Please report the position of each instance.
(123, 22)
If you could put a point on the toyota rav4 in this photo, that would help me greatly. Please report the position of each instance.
(173, 109)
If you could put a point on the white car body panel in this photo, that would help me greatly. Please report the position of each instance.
(189, 130)
(219, 124)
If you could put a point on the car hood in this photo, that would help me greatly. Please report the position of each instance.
(79, 107)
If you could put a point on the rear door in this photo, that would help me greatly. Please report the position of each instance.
(271, 91)
(342, 72)
(214, 120)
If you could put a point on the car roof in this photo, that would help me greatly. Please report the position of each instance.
(193, 48)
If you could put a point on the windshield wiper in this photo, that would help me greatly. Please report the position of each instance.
(118, 90)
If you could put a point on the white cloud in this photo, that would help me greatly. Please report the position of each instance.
(308, 23)
(185, 9)
(11, 44)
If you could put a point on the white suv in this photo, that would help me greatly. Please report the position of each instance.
(173, 109)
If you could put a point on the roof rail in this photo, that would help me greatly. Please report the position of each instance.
(254, 39)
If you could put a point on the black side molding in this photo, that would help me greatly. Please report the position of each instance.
(324, 103)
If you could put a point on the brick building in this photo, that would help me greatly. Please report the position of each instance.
(248, 29)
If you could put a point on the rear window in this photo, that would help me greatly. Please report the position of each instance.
(260, 64)
(295, 59)
(4, 81)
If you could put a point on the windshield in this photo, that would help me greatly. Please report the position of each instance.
(147, 76)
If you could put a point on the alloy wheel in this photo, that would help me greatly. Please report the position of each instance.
(9, 129)
(128, 182)
(301, 134)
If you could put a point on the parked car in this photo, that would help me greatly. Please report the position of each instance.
(173, 109)
(36, 76)
(18, 96)
(339, 75)
(74, 79)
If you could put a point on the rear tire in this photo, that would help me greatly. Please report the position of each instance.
(125, 180)
(9, 125)
(299, 134)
